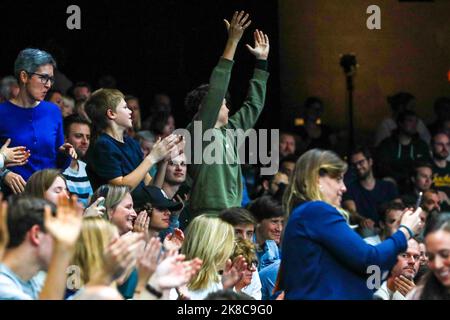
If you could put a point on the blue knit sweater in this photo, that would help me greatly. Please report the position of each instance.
(40, 129)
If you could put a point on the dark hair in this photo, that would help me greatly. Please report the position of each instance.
(433, 288)
(237, 216)
(399, 100)
(194, 98)
(438, 133)
(159, 121)
(266, 207)
(82, 84)
(50, 94)
(23, 213)
(362, 149)
(417, 165)
(385, 207)
(74, 118)
(289, 158)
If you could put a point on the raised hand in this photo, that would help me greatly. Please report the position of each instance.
(68, 150)
(142, 223)
(15, 156)
(174, 241)
(239, 22)
(234, 271)
(65, 227)
(262, 47)
(4, 235)
(15, 182)
(95, 209)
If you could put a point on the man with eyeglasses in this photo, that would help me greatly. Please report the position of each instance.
(401, 278)
(366, 194)
(30, 121)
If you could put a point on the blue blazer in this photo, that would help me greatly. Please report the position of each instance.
(323, 258)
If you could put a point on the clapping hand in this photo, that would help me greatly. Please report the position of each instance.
(15, 156)
(95, 210)
(234, 271)
(174, 241)
(65, 227)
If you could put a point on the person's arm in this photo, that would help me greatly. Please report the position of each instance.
(65, 229)
(248, 114)
(160, 174)
(65, 152)
(355, 217)
(325, 225)
(4, 235)
(110, 162)
(220, 77)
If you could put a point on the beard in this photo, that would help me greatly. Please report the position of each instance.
(440, 156)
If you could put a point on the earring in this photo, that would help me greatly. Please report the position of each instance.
(320, 187)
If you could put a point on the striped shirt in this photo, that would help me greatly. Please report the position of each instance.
(78, 182)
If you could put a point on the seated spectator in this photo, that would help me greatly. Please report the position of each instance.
(436, 284)
(41, 238)
(91, 257)
(242, 221)
(287, 165)
(367, 193)
(423, 267)
(390, 214)
(287, 144)
(211, 240)
(246, 249)
(81, 91)
(400, 102)
(68, 106)
(244, 224)
(431, 203)
(313, 133)
(133, 105)
(273, 185)
(440, 147)
(442, 114)
(397, 154)
(171, 178)
(9, 88)
(47, 184)
(400, 281)
(162, 124)
(32, 122)
(115, 158)
(268, 276)
(421, 178)
(270, 219)
(77, 132)
(118, 205)
(159, 209)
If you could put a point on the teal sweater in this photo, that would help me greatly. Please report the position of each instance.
(219, 186)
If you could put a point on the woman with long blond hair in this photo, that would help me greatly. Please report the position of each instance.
(212, 240)
(323, 258)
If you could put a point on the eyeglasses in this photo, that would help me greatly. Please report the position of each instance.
(45, 78)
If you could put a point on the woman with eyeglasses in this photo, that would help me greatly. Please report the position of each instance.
(30, 121)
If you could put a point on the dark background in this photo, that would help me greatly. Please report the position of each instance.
(148, 46)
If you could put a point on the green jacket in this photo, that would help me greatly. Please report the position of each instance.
(219, 186)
